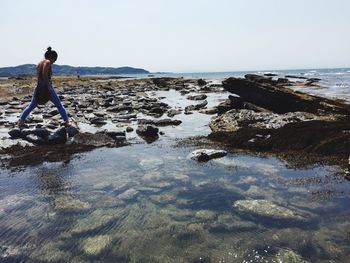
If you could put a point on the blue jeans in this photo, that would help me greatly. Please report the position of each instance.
(55, 100)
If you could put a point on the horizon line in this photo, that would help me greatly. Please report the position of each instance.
(195, 71)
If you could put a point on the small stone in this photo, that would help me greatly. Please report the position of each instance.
(98, 121)
(147, 131)
(197, 97)
(201, 82)
(129, 129)
(204, 155)
(163, 122)
(196, 107)
(172, 113)
(95, 221)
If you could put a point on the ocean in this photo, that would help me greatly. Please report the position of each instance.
(335, 82)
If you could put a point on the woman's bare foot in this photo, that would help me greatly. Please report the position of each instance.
(21, 124)
(68, 123)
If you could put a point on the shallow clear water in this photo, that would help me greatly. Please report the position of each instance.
(150, 203)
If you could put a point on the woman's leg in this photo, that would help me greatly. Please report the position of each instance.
(56, 100)
(29, 108)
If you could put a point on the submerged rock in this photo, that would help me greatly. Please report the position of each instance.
(49, 251)
(266, 208)
(227, 222)
(95, 221)
(205, 215)
(289, 256)
(94, 246)
(14, 202)
(71, 204)
(204, 155)
(129, 194)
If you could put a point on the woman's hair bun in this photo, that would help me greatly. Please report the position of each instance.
(49, 49)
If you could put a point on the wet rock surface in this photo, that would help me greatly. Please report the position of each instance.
(262, 114)
(261, 92)
(268, 116)
(102, 109)
(204, 155)
(234, 120)
(149, 132)
(163, 122)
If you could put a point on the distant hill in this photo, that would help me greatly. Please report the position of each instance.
(30, 69)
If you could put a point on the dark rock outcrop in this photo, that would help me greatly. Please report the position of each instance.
(161, 82)
(323, 137)
(273, 118)
(279, 99)
(201, 82)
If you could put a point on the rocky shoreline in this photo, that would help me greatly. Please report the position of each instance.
(104, 111)
(263, 114)
(126, 203)
(270, 117)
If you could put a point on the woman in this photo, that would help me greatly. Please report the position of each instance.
(44, 90)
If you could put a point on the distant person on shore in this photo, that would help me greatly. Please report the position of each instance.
(44, 90)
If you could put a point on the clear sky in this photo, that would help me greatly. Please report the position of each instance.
(178, 35)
